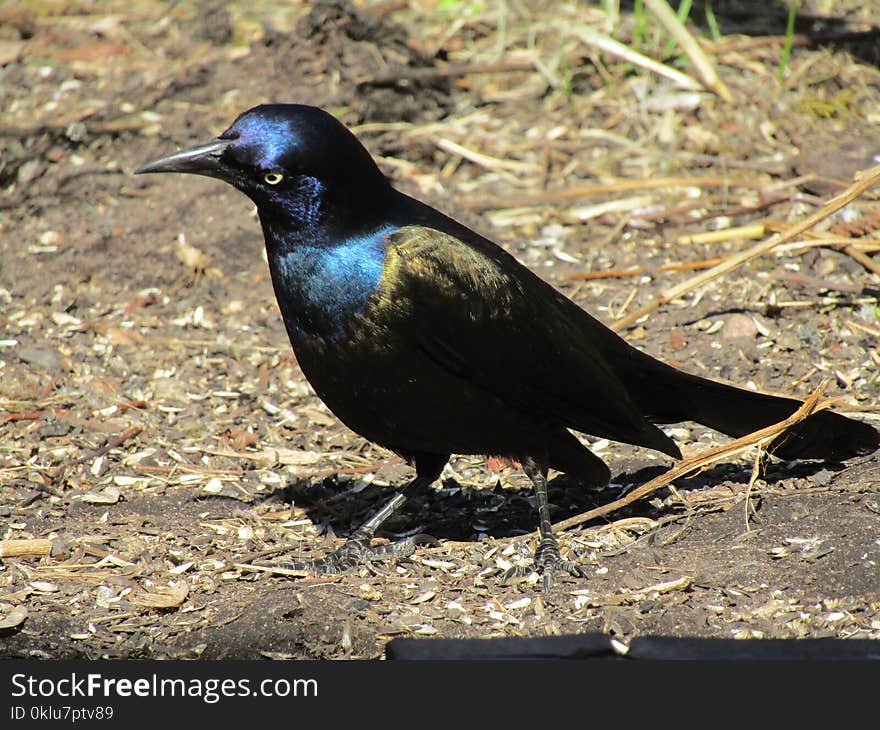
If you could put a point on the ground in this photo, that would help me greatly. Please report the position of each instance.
(155, 428)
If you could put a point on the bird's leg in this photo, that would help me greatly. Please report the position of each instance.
(357, 550)
(547, 560)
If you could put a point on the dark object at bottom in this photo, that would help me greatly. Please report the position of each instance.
(669, 647)
(574, 646)
(600, 646)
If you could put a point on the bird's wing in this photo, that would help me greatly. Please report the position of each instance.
(482, 315)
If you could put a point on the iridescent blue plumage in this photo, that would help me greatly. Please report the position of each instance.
(326, 285)
(269, 138)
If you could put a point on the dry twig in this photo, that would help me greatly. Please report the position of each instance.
(686, 466)
(21, 548)
(640, 270)
(620, 186)
(863, 181)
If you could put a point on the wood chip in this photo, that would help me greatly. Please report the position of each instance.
(21, 548)
(108, 495)
(170, 596)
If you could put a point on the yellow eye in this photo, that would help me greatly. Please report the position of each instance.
(273, 178)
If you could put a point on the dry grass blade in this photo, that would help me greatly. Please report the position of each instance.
(853, 247)
(640, 270)
(620, 186)
(756, 472)
(487, 161)
(862, 258)
(709, 456)
(861, 245)
(592, 38)
(751, 230)
(864, 180)
(676, 29)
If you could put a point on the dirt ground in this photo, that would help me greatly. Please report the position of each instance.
(155, 427)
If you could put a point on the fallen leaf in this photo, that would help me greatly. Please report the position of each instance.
(14, 618)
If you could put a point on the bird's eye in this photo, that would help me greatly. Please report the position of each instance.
(273, 178)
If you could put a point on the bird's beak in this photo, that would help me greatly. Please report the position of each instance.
(203, 159)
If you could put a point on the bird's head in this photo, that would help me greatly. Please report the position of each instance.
(278, 153)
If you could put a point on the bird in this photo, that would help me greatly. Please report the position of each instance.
(427, 338)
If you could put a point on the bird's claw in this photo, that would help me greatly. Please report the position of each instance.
(357, 552)
(353, 553)
(547, 562)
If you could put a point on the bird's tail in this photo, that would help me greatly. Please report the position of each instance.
(668, 395)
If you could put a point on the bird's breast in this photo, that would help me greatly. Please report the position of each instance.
(321, 289)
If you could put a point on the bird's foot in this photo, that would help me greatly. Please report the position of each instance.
(357, 552)
(547, 562)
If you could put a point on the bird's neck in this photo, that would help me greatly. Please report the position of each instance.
(325, 258)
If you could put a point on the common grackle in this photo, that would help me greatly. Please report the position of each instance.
(427, 338)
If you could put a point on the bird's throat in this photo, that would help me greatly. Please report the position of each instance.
(321, 284)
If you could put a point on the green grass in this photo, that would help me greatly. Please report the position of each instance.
(684, 10)
(786, 48)
(712, 22)
(640, 23)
